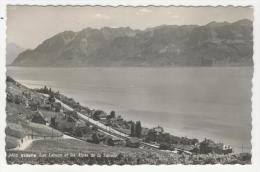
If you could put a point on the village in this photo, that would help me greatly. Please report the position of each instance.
(37, 115)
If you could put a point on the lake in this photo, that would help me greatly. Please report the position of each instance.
(199, 102)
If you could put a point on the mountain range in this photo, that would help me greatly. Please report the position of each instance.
(12, 51)
(214, 44)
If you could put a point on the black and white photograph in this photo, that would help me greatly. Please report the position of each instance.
(124, 85)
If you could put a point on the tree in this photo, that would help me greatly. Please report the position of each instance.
(164, 138)
(119, 117)
(57, 107)
(51, 98)
(17, 99)
(78, 132)
(53, 122)
(95, 128)
(95, 138)
(109, 141)
(96, 116)
(132, 129)
(194, 141)
(138, 129)
(45, 89)
(112, 114)
(165, 146)
(151, 136)
(74, 114)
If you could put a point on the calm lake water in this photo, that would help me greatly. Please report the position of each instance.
(194, 102)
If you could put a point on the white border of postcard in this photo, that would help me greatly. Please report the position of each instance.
(255, 166)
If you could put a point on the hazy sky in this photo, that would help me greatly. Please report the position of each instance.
(28, 26)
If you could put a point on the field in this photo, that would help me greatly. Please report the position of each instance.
(96, 154)
(18, 126)
(48, 114)
(73, 145)
(102, 154)
(11, 142)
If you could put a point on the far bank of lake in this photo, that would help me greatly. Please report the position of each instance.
(194, 102)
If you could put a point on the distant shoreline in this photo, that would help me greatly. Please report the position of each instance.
(154, 67)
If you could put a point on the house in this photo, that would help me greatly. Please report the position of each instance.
(27, 94)
(208, 146)
(56, 106)
(145, 131)
(227, 149)
(158, 130)
(72, 114)
(45, 106)
(80, 124)
(108, 141)
(26, 102)
(33, 106)
(57, 95)
(112, 141)
(245, 156)
(71, 119)
(85, 111)
(185, 141)
(99, 115)
(38, 118)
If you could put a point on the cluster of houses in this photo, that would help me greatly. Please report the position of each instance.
(209, 146)
(165, 141)
(34, 103)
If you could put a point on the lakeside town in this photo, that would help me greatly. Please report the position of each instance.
(44, 120)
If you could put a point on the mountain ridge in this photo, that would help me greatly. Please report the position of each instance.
(213, 44)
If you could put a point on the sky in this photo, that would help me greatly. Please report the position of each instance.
(28, 26)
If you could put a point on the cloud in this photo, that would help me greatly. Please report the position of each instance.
(102, 16)
(172, 15)
(145, 10)
(175, 16)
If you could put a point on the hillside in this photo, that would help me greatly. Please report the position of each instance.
(36, 126)
(221, 44)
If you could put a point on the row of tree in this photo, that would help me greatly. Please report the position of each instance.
(161, 138)
(136, 129)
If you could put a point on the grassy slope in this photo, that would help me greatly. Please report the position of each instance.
(72, 145)
(11, 142)
(18, 127)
